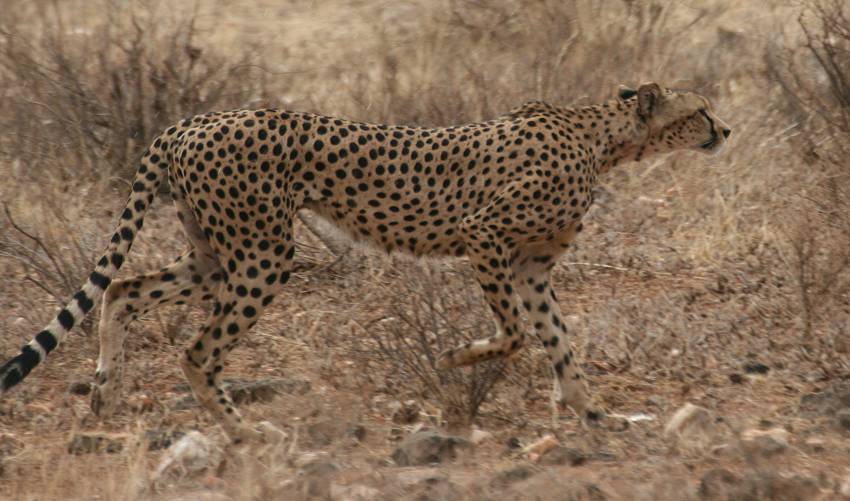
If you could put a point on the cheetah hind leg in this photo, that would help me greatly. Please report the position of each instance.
(480, 350)
(591, 413)
(188, 280)
(247, 290)
(485, 248)
(236, 428)
(595, 416)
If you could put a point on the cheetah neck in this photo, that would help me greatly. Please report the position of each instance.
(612, 131)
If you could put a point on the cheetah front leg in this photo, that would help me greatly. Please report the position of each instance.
(533, 277)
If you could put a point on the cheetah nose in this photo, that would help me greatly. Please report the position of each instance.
(726, 132)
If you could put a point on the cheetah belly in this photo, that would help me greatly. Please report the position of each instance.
(407, 230)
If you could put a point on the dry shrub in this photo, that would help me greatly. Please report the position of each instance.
(472, 59)
(79, 104)
(42, 250)
(436, 309)
(89, 99)
(815, 77)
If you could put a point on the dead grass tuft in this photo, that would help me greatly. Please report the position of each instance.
(434, 311)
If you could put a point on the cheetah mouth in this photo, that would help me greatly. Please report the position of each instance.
(710, 144)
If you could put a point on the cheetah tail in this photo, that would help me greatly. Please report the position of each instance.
(145, 185)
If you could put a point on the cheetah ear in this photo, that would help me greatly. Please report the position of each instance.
(649, 96)
(624, 93)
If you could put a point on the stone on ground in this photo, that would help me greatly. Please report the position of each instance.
(427, 447)
(91, 442)
(764, 443)
(353, 493)
(694, 429)
(190, 455)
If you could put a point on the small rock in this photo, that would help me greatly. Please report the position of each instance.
(418, 475)
(265, 390)
(755, 367)
(637, 417)
(396, 433)
(162, 439)
(826, 402)
(427, 447)
(603, 455)
(85, 443)
(766, 424)
(765, 443)
(511, 475)
(247, 392)
(816, 444)
(405, 412)
(316, 477)
(816, 376)
(844, 488)
(719, 484)
(687, 415)
(324, 433)
(355, 431)
(306, 458)
(693, 428)
(205, 495)
(655, 401)
(211, 481)
(192, 454)
(759, 486)
(79, 388)
(513, 443)
(183, 403)
(736, 378)
(561, 455)
(555, 487)
(478, 436)
(540, 447)
(425, 484)
(353, 493)
(723, 485)
(9, 445)
(140, 403)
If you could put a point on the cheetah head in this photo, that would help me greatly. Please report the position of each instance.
(676, 119)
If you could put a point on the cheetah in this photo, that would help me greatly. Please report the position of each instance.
(509, 194)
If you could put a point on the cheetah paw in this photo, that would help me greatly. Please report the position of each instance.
(446, 359)
(102, 401)
(600, 419)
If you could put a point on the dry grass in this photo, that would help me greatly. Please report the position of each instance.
(689, 268)
(432, 313)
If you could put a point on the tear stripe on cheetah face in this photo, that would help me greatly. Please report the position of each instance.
(509, 194)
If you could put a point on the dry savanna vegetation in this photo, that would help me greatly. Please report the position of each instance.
(711, 295)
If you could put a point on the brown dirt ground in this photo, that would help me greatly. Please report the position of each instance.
(674, 288)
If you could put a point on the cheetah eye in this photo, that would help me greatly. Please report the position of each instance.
(702, 113)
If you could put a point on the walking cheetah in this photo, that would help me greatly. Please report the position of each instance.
(509, 194)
